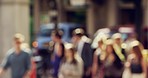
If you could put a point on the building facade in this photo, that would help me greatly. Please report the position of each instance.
(94, 14)
(14, 18)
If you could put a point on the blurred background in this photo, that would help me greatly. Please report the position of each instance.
(30, 16)
(37, 18)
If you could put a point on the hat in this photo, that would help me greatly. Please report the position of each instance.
(109, 42)
(116, 36)
(134, 43)
(78, 31)
(69, 46)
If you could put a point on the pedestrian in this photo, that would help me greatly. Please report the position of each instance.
(17, 59)
(112, 63)
(117, 45)
(43, 66)
(130, 38)
(136, 62)
(84, 50)
(98, 60)
(58, 53)
(71, 66)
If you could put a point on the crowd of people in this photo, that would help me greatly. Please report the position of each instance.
(113, 58)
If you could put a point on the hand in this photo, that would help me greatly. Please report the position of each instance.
(88, 72)
(26, 76)
(1, 71)
(127, 64)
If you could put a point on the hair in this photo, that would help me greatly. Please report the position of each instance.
(57, 33)
(19, 37)
(72, 49)
(101, 41)
(137, 51)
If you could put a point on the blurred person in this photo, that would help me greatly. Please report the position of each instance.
(98, 60)
(17, 60)
(136, 62)
(119, 49)
(25, 47)
(44, 65)
(112, 63)
(42, 59)
(117, 45)
(131, 37)
(58, 51)
(71, 66)
(33, 70)
(84, 50)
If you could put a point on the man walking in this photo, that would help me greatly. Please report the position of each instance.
(17, 60)
(84, 50)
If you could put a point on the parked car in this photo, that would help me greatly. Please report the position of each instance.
(44, 35)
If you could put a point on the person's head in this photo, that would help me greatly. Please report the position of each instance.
(69, 51)
(135, 48)
(18, 40)
(56, 35)
(117, 38)
(77, 34)
(109, 46)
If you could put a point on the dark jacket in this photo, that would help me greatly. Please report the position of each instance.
(87, 55)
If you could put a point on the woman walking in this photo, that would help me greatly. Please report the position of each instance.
(71, 66)
(136, 62)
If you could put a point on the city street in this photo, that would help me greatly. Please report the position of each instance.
(74, 38)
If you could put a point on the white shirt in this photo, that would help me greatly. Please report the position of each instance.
(80, 47)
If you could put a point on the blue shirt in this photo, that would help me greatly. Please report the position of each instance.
(18, 63)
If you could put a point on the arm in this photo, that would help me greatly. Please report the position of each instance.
(95, 65)
(144, 68)
(88, 59)
(28, 66)
(5, 64)
(88, 55)
(59, 50)
(128, 63)
(1, 71)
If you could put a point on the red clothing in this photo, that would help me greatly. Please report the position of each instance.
(33, 70)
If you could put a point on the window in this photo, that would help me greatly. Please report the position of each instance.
(127, 16)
